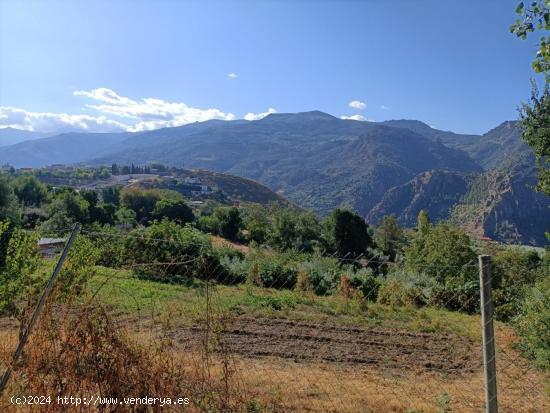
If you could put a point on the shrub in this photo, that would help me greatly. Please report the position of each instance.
(229, 221)
(277, 274)
(168, 252)
(514, 271)
(173, 209)
(392, 292)
(323, 274)
(209, 224)
(444, 253)
(111, 246)
(457, 295)
(20, 263)
(365, 281)
(533, 325)
(237, 268)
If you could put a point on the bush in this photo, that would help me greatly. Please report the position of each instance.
(394, 293)
(533, 325)
(514, 271)
(174, 210)
(365, 281)
(457, 295)
(111, 246)
(209, 224)
(18, 267)
(168, 252)
(229, 222)
(444, 253)
(274, 271)
(237, 268)
(323, 274)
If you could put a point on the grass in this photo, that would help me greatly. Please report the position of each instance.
(130, 295)
(275, 385)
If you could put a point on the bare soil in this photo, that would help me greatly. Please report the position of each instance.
(325, 342)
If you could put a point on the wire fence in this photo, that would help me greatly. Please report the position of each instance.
(232, 328)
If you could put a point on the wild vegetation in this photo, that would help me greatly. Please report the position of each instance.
(432, 266)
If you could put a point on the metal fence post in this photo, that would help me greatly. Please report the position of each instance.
(38, 309)
(488, 333)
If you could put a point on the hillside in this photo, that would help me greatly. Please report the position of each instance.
(436, 192)
(321, 162)
(501, 204)
(12, 136)
(499, 146)
(67, 148)
(313, 159)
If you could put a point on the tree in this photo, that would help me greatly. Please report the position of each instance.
(389, 237)
(257, 223)
(445, 254)
(125, 216)
(141, 201)
(291, 228)
(535, 127)
(422, 221)
(29, 190)
(9, 208)
(230, 221)
(536, 16)
(67, 208)
(535, 117)
(346, 233)
(174, 210)
(111, 195)
(533, 325)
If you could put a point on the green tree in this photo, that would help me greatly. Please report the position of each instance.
(174, 210)
(125, 216)
(514, 271)
(422, 221)
(256, 221)
(229, 221)
(533, 325)
(29, 190)
(141, 201)
(293, 229)
(67, 208)
(111, 195)
(346, 234)
(535, 16)
(9, 207)
(535, 127)
(445, 254)
(389, 237)
(17, 270)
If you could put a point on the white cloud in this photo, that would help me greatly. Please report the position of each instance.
(258, 116)
(115, 112)
(149, 113)
(383, 107)
(232, 75)
(354, 117)
(56, 122)
(357, 104)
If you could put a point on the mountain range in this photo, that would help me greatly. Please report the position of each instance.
(321, 162)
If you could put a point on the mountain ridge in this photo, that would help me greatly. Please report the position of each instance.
(321, 162)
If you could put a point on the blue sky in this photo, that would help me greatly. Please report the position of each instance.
(142, 64)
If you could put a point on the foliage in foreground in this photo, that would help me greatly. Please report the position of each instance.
(533, 325)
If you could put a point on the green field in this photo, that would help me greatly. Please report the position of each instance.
(128, 295)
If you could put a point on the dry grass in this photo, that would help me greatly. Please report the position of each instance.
(83, 352)
(77, 352)
(222, 242)
(328, 388)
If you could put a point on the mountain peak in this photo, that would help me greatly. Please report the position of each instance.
(310, 115)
